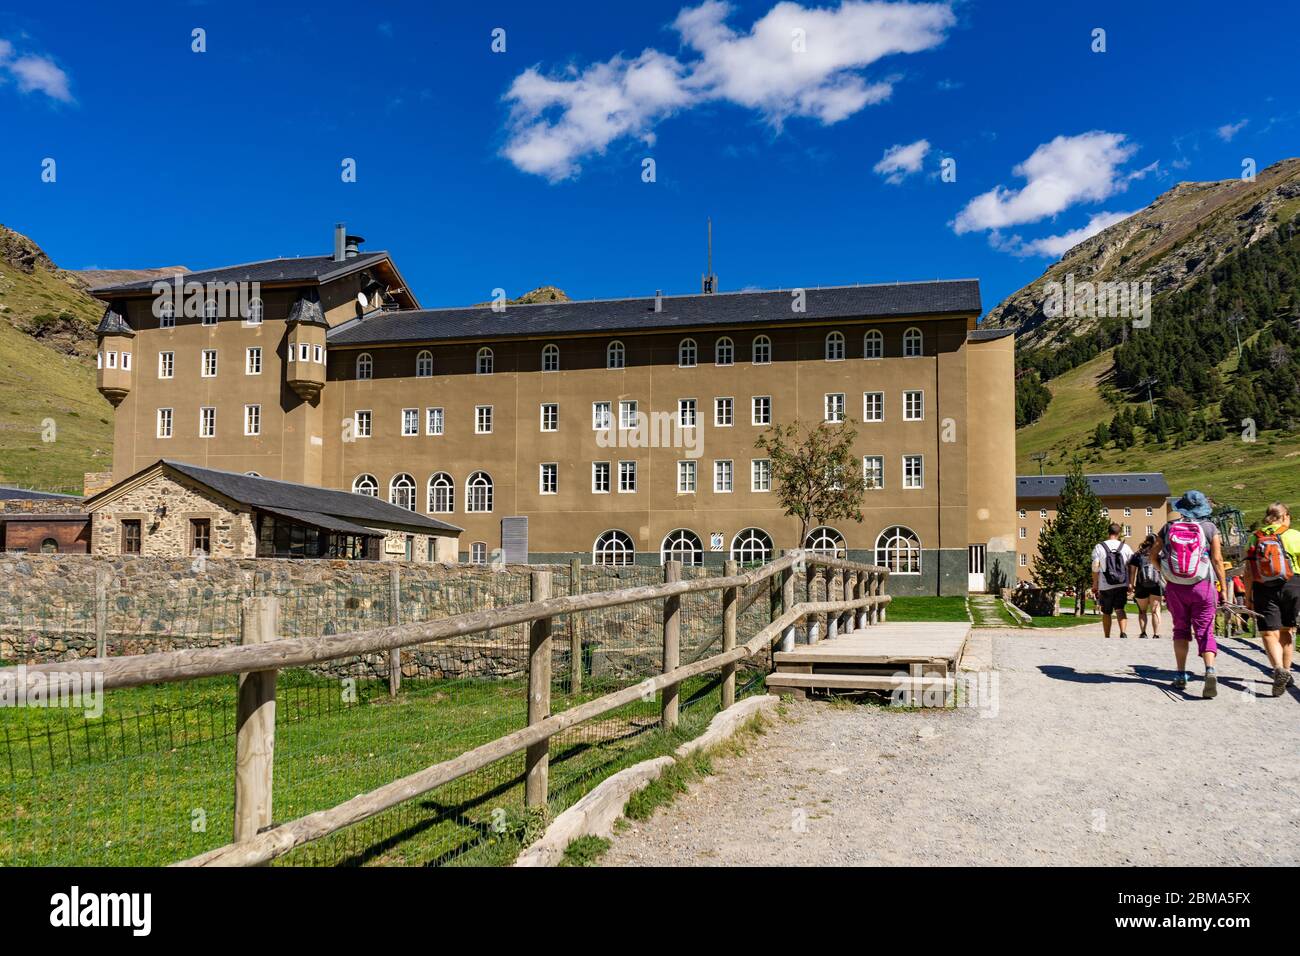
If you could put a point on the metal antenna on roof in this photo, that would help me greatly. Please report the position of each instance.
(709, 284)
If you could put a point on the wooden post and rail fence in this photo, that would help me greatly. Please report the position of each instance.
(857, 601)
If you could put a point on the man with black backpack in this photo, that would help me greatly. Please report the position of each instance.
(1273, 590)
(1110, 560)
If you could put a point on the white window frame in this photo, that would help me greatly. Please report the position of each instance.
(485, 361)
(627, 467)
(876, 338)
(166, 421)
(879, 470)
(913, 405)
(688, 353)
(838, 405)
(550, 357)
(474, 487)
(834, 345)
(552, 469)
(166, 364)
(765, 343)
(253, 360)
(913, 343)
(873, 402)
(724, 474)
(754, 418)
(687, 412)
(252, 420)
(554, 408)
(687, 476)
(167, 316)
(205, 364)
(598, 469)
(724, 351)
(256, 312)
(318, 354)
(424, 364)
(365, 365)
(601, 416)
(435, 420)
(441, 485)
(207, 421)
(728, 404)
(410, 422)
(760, 468)
(627, 414)
(368, 482)
(615, 355)
(126, 361)
(482, 417)
(919, 479)
(357, 431)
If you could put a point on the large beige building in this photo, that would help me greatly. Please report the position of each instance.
(618, 430)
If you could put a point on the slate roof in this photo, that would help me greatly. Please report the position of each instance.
(114, 322)
(986, 335)
(27, 494)
(300, 269)
(955, 297)
(1116, 485)
(324, 507)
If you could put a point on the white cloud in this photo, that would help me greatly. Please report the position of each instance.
(793, 62)
(901, 161)
(1059, 174)
(1229, 130)
(34, 73)
(6, 50)
(1054, 247)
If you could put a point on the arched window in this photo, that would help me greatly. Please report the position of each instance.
(478, 492)
(255, 311)
(484, 364)
(49, 546)
(835, 347)
(401, 492)
(724, 351)
(762, 350)
(899, 550)
(873, 345)
(167, 316)
(424, 364)
(210, 312)
(752, 546)
(478, 552)
(684, 546)
(826, 541)
(913, 343)
(442, 494)
(686, 352)
(613, 549)
(365, 366)
(551, 358)
(615, 355)
(365, 485)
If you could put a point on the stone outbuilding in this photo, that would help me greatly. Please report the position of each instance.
(41, 521)
(173, 509)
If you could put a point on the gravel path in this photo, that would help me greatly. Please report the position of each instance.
(1090, 759)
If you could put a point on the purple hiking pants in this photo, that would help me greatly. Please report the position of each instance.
(1192, 607)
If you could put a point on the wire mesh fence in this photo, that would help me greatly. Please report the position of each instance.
(149, 780)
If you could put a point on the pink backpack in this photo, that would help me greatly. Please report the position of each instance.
(1186, 553)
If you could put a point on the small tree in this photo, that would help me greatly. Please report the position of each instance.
(1066, 542)
(817, 477)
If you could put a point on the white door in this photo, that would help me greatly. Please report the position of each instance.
(975, 554)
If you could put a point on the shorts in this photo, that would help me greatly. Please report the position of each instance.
(1278, 603)
(1141, 593)
(1112, 600)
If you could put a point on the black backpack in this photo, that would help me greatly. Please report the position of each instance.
(1148, 573)
(1116, 572)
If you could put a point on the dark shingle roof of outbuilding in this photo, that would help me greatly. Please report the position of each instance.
(27, 494)
(959, 297)
(1103, 486)
(301, 269)
(288, 496)
(987, 335)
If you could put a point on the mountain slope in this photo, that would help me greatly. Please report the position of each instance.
(1175, 240)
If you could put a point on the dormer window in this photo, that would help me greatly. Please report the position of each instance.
(686, 353)
(724, 352)
(424, 364)
(615, 355)
(167, 316)
(484, 362)
(365, 366)
(551, 358)
(255, 311)
(835, 347)
(210, 312)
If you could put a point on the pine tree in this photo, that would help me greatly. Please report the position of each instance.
(1065, 544)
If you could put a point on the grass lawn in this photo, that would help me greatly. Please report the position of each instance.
(927, 609)
(151, 781)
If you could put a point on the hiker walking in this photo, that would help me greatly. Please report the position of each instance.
(1148, 586)
(1110, 560)
(1190, 553)
(1273, 590)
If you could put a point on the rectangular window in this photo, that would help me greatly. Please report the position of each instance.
(722, 412)
(722, 476)
(550, 478)
(1024, 533)
(913, 472)
(835, 407)
(362, 424)
(1024, 560)
(410, 421)
(760, 474)
(200, 535)
(166, 364)
(131, 536)
(599, 415)
(1149, 512)
(1150, 529)
(913, 406)
(252, 419)
(304, 352)
(168, 318)
(600, 477)
(1022, 512)
(112, 360)
(550, 417)
(761, 410)
(627, 414)
(126, 361)
(686, 477)
(1128, 512)
(433, 421)
(873, 472)
(873, 406)
(317, 354)
(164, 423)
(209, 363)
(626, 477)
(253, 361)
(207, 422)
(686, 412)
(482, 419)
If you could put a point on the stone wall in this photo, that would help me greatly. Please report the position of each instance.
(233, 531)
(41, 506)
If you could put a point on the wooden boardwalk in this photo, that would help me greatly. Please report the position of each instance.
(881, 657)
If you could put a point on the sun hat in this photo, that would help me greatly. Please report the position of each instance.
(1193, 504)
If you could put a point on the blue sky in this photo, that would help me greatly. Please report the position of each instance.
(818, 156)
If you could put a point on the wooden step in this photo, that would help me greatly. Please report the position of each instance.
(855, 656)
(857, 681)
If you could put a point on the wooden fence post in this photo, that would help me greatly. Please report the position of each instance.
(101, 613)
(787, 602)
(672, 645)
(255, 724)
(730, 597)
(575, 641)
(394, 618)
(810, 584)
(538, 759)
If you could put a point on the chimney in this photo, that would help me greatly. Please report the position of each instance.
(351, 249)
(659, 300)
(340, 231)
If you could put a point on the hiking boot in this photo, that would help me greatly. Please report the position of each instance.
(1142, 636)
(1281, 681)
(1180, 681)
(1211, 685)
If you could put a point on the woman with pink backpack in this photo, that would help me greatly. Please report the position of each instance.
(1190, 554)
